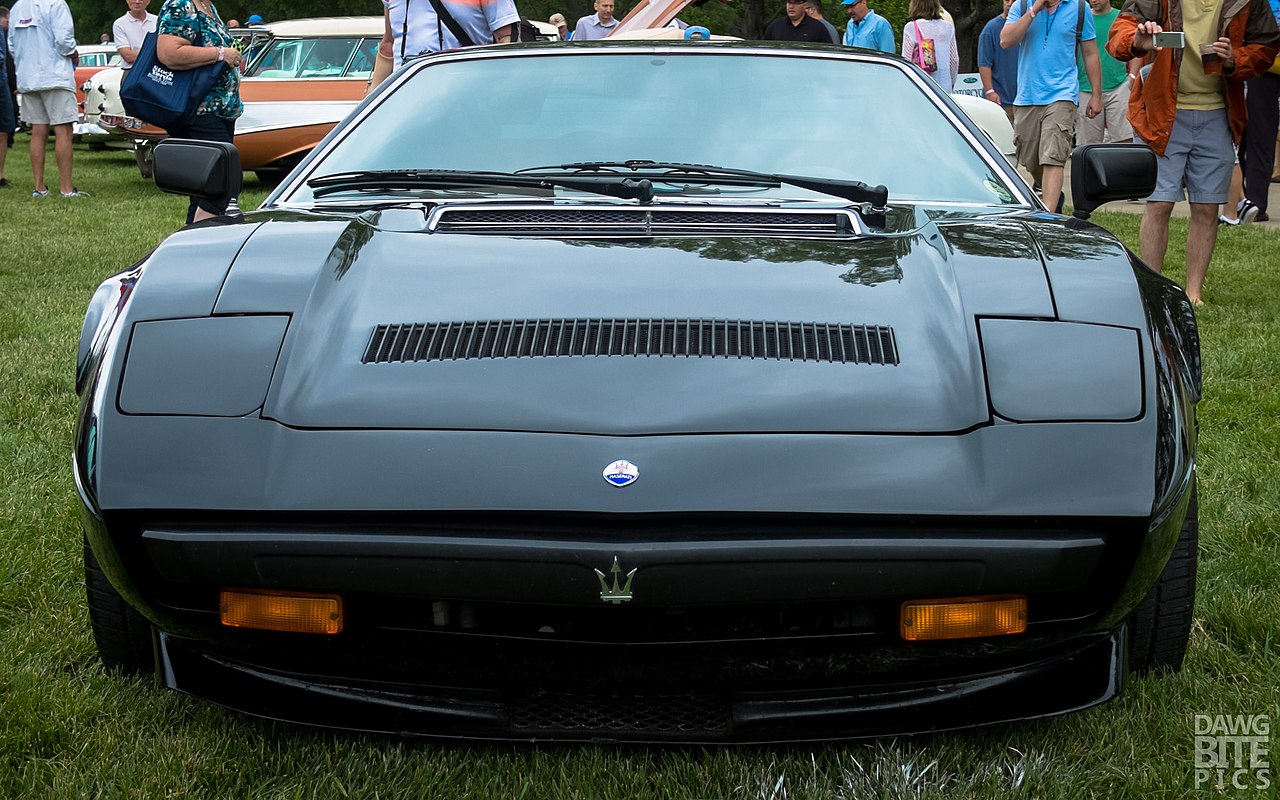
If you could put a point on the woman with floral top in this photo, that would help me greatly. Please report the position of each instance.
(190, 34)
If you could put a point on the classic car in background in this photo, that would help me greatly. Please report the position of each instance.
(309, 75)
(303, 76)
(529, 408)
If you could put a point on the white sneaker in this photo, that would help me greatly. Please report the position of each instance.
(1248, 211)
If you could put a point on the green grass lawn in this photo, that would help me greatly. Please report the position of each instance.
(68, 730)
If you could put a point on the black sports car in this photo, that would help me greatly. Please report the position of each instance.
(643, 391)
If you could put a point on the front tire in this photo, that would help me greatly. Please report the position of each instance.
(122, 634)
(1160, 627)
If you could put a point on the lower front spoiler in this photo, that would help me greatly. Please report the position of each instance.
(1089, 671)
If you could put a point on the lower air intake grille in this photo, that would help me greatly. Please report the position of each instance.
(648, 713)
(783, 341)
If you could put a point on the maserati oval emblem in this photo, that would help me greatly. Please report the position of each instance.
(621, 473)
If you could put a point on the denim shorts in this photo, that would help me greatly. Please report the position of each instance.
(1196, 166)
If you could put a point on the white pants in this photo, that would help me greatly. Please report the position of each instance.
(1112, 125)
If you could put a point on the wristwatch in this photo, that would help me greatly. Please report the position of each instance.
(221, 53)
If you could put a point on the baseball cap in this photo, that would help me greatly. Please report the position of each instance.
(253, 18)
(849, 2)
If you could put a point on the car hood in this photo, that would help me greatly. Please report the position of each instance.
(737, 333)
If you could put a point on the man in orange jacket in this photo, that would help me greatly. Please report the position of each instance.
(1188, 105)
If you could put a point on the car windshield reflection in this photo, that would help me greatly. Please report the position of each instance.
(833, 119)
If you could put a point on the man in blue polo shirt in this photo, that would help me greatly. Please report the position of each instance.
(866, 28)
(998, 67)
(1044, 111)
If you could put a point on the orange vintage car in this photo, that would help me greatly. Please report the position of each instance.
(307, 77)
(298, 83)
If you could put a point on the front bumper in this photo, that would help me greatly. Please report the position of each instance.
(994, 686)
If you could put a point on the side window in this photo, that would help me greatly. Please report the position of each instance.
(281, 61)
(362, 63)
(326, 58)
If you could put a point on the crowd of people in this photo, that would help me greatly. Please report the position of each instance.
(1066, 72)
(1204, 102)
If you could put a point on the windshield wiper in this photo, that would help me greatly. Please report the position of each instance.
(674, 171)
(625, 188)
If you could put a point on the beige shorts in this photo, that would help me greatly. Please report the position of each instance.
(50, 107)
(1043, 134)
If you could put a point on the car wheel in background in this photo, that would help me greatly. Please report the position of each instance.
(276, 171)
(122, 634)
(1161, 624)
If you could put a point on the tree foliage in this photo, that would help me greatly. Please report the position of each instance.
(743, 18)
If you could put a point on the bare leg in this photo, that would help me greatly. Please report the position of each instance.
(1202, 234)
(39, 140)
(1051, 186)
(1234, 194)
(1153, 236)
(62, 152)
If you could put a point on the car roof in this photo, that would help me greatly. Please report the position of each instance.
(324, 26)
(87, 49)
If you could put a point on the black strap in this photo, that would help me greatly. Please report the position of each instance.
(449, 22)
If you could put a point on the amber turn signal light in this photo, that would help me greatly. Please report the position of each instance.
(963, 617)
(295, 612)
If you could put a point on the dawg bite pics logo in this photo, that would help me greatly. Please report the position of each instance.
(1232, 751)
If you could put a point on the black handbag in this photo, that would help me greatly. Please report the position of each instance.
(167, 98)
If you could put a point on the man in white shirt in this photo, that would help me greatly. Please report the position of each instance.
(131, 29)
(42, 41)
(412, 31)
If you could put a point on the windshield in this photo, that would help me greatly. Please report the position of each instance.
(820, 117)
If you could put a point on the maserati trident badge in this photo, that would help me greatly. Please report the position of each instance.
(615, 594)
(621, 473)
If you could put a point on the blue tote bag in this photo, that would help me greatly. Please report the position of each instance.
(166, 98)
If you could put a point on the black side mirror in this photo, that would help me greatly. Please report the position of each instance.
(196, 168)
(1101, 173)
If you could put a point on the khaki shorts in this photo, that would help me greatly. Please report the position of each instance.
(50, 107)
(1043, 134)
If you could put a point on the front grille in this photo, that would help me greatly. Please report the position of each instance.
(619, 713)
(624, 221)
(710, 338)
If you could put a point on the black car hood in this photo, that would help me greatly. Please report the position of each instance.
(925, 285)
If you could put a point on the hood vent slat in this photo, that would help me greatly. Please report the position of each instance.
(710, 338)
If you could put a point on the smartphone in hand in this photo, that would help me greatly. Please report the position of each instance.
(1173, 39)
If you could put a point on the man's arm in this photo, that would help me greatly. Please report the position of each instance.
(1257, 52)
(384, 61)
(1131, 32)
(1015, 27)
(504, 34)
(988, 87)
(885, 36)
(64, 30)
(986, 63)
(126, 52)
(1092, 68)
